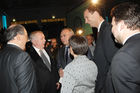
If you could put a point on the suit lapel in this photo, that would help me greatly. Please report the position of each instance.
(38, 60)
(63, 53)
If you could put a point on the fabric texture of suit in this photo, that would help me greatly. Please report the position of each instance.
(46, 79)
(124, 74)
(17, 74)
(79, 76)
(61, 58)
(103, 54)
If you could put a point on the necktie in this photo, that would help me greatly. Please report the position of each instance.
(67, 54)
(45, 60)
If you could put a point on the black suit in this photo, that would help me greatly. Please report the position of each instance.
(17, 74)
(103, 53)
(61, 57)
(46, 79)
(124, 74)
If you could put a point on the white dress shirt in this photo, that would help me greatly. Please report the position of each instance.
(46, 54)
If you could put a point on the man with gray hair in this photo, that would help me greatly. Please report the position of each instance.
(16, 70)
(45, 66)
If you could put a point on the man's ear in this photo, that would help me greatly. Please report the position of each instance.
(122, 26)
(16, 37)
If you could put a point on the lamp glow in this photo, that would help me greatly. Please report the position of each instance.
(14, 20)
(79, 32)
(53, 17)
(94, 1)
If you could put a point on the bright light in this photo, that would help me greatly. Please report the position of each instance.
(94, 1)
(79, 32)
(14, 20)
(53, 17)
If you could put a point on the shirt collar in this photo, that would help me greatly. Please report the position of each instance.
(37, 49)
(129, 37)
(13, 44)
(100, 25)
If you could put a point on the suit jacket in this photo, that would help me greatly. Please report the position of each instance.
(61, 57)
(16, 71)
(46, 79)
(79, 76)
(124, 74)
(103, 53)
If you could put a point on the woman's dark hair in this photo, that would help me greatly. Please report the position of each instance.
(79, 44)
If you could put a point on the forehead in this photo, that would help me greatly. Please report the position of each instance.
(113, 20)
(65, 31)
(86, 12)
(39, 35)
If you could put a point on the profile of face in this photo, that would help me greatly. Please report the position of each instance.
(39, 40)
(116, 30)
(64, 36)
(89, 18)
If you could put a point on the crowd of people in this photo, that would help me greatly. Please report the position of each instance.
(79, 65)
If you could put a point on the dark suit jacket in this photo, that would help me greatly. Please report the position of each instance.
(16, 71)
(103, 53)
(124, 74)
(61, 58)
(46, 80)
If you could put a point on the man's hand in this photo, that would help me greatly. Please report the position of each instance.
(61, 72)
(58, 85)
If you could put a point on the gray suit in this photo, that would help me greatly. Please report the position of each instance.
(79, 76)
(124, 74)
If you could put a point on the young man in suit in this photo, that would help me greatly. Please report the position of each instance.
(105, 46)
(17, 74)
(124, 74)
(45, 67)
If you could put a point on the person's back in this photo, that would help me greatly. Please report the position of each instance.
(16, 69)
(79, 75)
(9, 67)
(85, 72)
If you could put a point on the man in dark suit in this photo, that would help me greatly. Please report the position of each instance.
(66, 33)
(64, 57)
(16, 69)
(124, 74)
(45, 67)
(105, 46)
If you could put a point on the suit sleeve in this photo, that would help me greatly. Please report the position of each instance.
(58, 60)
(89, 55)
(110, 47)
(24, 74)
(125, 72)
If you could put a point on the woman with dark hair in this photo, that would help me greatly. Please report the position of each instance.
(80, 74)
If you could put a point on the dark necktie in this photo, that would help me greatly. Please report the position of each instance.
(67, 53)
(45, 60)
